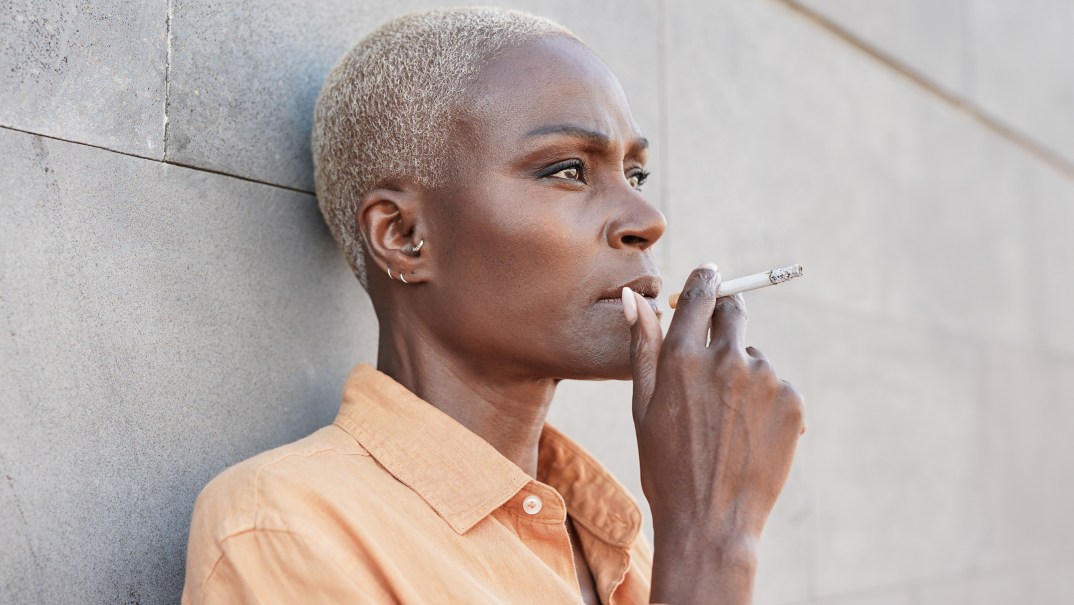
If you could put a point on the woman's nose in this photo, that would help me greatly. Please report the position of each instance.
(638, 225)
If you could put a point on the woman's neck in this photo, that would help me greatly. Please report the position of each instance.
(509, 413)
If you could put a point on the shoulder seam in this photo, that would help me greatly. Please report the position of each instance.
(244, 532)
(257, 485)
(220, 558)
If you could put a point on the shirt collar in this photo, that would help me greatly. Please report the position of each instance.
(461, 476)
(595, 499)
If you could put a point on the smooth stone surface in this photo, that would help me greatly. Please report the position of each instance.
(1028, 412)
(157, 324)
(800, 151)
(91, 71)
(250, 115)
(1049, 209)
(932, 38)
(892, 456)
(1012, 59)
(1048, 584)
(1024, 67)
(900, 597)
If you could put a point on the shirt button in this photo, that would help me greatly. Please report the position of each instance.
(532, 505)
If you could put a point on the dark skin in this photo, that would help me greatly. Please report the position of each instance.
(529, 242)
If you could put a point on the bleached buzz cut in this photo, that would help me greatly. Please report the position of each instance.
(382, 112)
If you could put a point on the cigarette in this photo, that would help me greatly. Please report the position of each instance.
(750, 282)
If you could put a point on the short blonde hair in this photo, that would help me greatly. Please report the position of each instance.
(382, 112)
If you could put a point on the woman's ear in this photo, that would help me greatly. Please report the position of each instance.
(391, 223)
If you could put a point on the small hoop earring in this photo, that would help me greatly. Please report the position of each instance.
(402, 279)
(390, 273)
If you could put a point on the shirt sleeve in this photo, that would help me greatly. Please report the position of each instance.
(274, 566)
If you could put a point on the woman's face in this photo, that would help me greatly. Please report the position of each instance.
(543, 223)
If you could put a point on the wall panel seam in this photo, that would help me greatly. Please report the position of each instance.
(1009, 133)
(159, 161)
(167, 74)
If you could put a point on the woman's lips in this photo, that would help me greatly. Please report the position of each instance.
(647, 285)
(653, 302)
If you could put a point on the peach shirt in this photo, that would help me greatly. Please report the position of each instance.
(396, 502)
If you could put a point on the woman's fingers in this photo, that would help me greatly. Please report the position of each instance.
(645, 341)
(690, 325)
(729, 323)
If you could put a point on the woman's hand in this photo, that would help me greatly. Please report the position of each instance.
(717, 431)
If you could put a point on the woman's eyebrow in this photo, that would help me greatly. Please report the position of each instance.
(592, 137)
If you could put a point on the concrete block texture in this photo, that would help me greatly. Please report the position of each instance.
(91, 71)
(899, 597)
(157, 324)
(245, 75)
(1044, 584)
(893, 476)
(1011, 59)
(803, 150)
(1026, 413)
(930, 460)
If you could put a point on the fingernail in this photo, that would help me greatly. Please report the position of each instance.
(630, 306)
(709, 265)
(655, 304)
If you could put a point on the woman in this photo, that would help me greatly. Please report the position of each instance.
(481, 170)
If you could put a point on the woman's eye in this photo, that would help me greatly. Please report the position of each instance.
(567, 170)
(637, 179)
(571, 174)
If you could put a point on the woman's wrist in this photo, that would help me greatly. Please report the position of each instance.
(690, 567)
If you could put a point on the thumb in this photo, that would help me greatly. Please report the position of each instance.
(646, 338)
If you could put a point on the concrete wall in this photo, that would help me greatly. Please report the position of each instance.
(171, 303)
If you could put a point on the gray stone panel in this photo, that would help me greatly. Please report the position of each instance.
(799, 150)
(1023, 62)
(1028, 410)
(1046, 584)
(888, 597)
(1015, 60)
(932, 37)
(1049, 229)
(891, 464)
(157, 324)
(245, 75)
(88, 70)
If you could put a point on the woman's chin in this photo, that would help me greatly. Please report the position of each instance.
(608, 363)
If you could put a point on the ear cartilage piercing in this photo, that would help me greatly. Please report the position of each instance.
(412, 249)
(751, 282)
